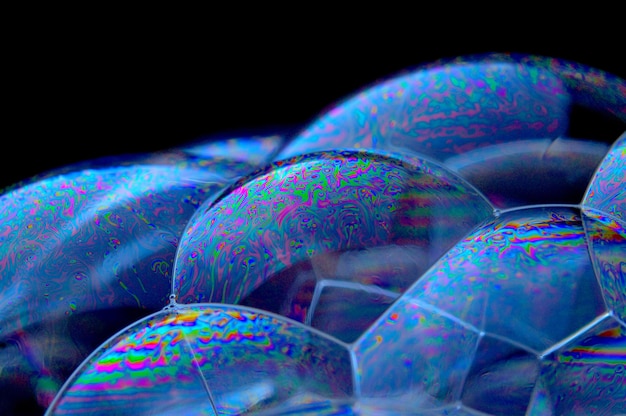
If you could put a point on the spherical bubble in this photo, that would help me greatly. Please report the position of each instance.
(445, 242)
(305, 228)
(87, 249)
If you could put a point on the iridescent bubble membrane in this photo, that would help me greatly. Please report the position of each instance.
(500, 121)
(607, 189)
(604, 215)
(419, 357)
(254, 150)
(589, 87)
(586, 375)
(376, 226)
(306, 231)
(210, 359)
(494, 324)
(84, 251)
(607, 246)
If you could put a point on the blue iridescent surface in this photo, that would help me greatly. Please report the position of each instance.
(438, 244)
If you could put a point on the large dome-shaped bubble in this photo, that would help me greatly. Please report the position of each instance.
(306, 228)
(505, 122)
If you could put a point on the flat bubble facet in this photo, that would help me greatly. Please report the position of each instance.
(585, 376)
(313, 405)
(532, 171)
(413, 358)
(607, 246)
(328, 215)
(370, 407)
(526, 276)
(501, 379)
(346, 311)
(607, 190)
(223, 359)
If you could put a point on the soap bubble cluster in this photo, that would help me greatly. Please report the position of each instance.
(442, 242)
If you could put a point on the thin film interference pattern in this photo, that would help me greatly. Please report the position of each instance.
(590, 87)
(588, 375)
(149, 366)
(76, 245)
(513, 267)
(531, 300)
(96, 238)
(320, 203)
(444, 111)
(607, 192)
(607, 246)
(112, 216)
(203, 161)
(414, 357)
(464, 106)
(226, 358)
(271, 353)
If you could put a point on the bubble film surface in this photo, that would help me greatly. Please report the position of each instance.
(607, 246)
(498, 113)
(586, 375)
(313, 215)
(211, 359)
(88, 249)
(530, 265)
(424, 110)
(606, 191)
(447, 241)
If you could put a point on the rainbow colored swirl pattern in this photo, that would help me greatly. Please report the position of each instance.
(441, 243)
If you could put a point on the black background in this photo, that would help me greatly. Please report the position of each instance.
(77, 89)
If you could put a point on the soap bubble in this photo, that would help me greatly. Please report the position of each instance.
(305, 228)
(446, 241)
(209, 359)
(88, 249)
